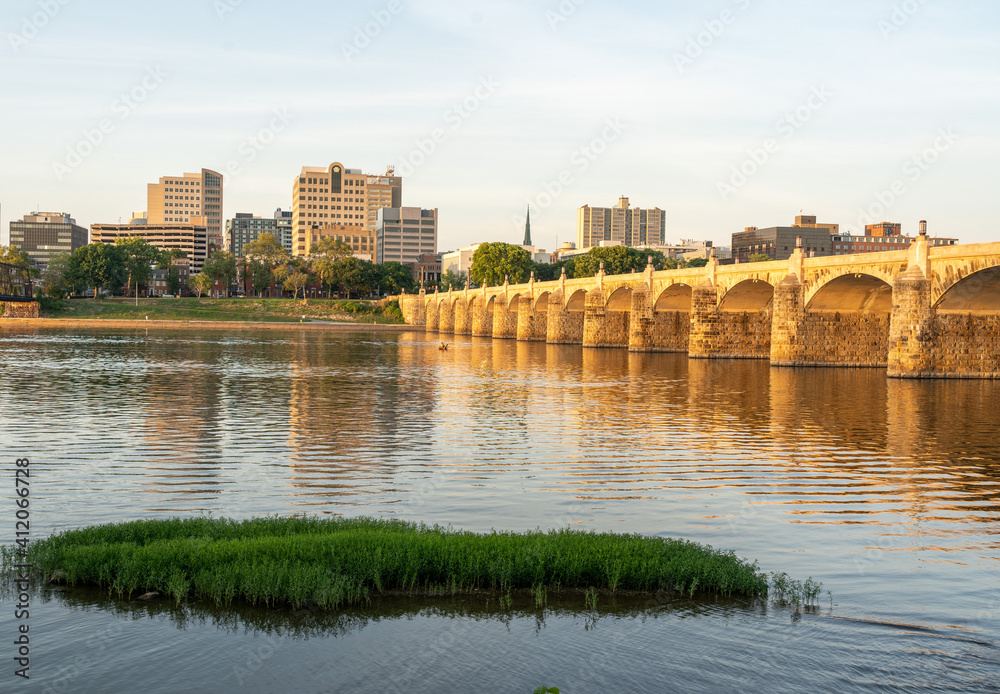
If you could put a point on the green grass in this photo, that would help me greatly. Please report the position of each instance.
(331, 562)
(243, 310)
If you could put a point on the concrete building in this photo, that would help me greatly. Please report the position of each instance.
(361, 241)
(338, 196)
(620, 225)
(809, 222)
(778, 243)
(884, 236)
(189, 199)
(245, 228)
(190, 238)
(459, 261)
(43, 234)
(403, 234)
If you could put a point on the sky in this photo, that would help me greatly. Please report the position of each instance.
(726, 114)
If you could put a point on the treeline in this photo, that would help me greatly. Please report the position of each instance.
(493, 262)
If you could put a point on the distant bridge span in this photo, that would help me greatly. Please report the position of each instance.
(921, 312)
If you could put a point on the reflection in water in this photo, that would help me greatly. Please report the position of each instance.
(887, 491)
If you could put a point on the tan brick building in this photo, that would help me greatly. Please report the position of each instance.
(194, 198)
(336, 196)
(190, 238)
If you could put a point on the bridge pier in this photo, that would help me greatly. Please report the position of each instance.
(601, 327)
(642, 328)
(446, 321)
(463, 320)
(481, 309)
(703, 342)
(504, 320)
(531, 324)
(563, 325)
(432, 316)
(788, 319)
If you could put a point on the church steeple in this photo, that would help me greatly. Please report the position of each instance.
(527, 229)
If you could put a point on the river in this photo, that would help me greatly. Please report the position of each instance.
(888, 492)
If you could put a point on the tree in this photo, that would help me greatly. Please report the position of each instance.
(493, 262)
(201, 283)
(12, 255)
(393, 277)
(138, 256)
(221, 267)
(262, 258)
(328, 262)
(57, 280)
(452, 280)
(99, 265)
(618, 260)
(698, 262)
(759, 258)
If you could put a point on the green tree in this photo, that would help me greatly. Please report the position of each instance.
(221, 267)
(57, 280)
(759, 258)
(263, 257)
(452, 280)
(12, 255)
(618, 260)
(328, 262)
(138, 256)
(201, 283)
(99, 265)
(697, 262)
(492, 262)
(393, 277)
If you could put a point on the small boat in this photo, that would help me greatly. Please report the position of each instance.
(443, 347)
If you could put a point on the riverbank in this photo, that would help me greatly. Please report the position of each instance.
(327, 563)
(274, 326)
(242, 310)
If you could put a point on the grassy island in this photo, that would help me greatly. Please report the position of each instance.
(327, 563)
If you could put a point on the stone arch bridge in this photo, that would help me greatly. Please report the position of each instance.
(921, 312)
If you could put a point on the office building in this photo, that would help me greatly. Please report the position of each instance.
(43, 234)
(245, 228)
(361, 241)
(884, 236)
(189, 199)
(190, 238)
(621, 225)
(339, 196)
(778, 243)
(809, 222)
(403, 234)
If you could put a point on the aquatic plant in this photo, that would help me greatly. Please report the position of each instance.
(326, 563)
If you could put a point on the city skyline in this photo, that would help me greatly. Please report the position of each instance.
(833, 111)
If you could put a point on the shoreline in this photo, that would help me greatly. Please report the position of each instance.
(200, 324)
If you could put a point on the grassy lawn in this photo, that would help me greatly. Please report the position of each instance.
(332, 562)
(247, 310)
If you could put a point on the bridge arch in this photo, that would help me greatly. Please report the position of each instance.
(676, 297)
(541, 302)
(512, 301)
(816, 282)
(747, 296)
(620, 300)
(975, 292)
(577, 301)
(852, 293)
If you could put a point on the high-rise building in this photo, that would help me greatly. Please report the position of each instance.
(620, 225)
(43, 234)
(403, 234)
(245, 228)
(190, 238)
(189, 199)
(339, 196)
